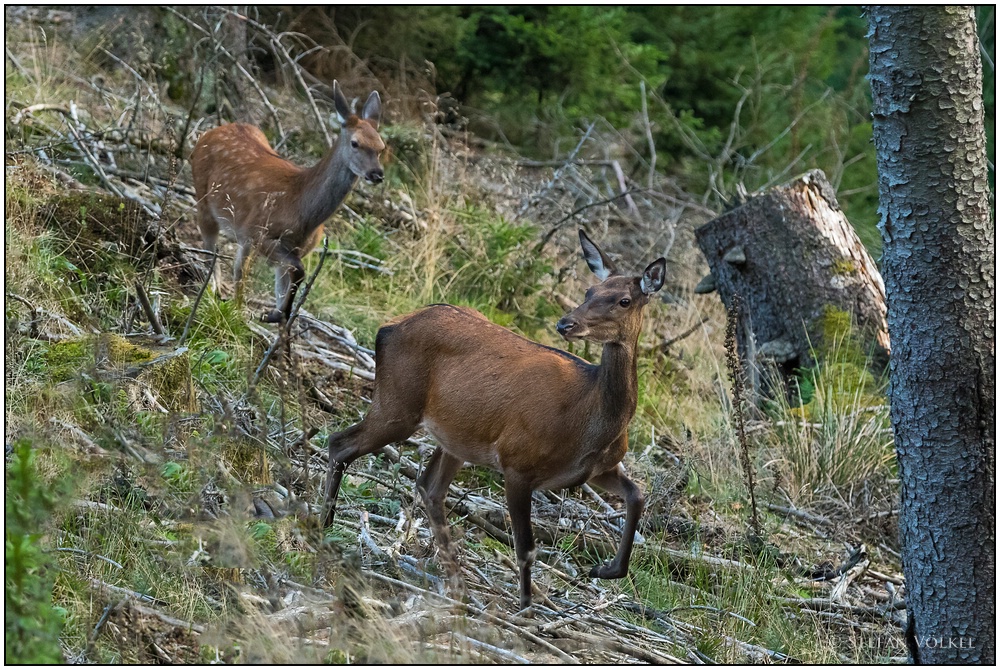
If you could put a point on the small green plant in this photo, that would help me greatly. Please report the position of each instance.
(179, 478)
(840, 435)
(32, 624)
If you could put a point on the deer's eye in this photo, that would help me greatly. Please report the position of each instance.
(624, 302)
(354, 144)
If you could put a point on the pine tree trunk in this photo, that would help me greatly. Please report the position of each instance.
(793, 256)
(938, 258)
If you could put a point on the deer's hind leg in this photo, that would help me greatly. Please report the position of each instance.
(366, 437)
(433, 487)
(396, 411)
(209, 228)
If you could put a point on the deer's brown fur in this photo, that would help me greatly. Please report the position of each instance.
(274, 205)
(544, 418)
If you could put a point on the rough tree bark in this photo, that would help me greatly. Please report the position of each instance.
(938, 259)
(792, 255)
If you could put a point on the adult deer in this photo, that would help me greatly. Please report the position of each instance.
(274, 205)
(542, 417)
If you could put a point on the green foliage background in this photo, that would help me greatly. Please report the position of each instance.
(535, 73)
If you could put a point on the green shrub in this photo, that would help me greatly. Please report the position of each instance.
(32, 625)
(493, 268)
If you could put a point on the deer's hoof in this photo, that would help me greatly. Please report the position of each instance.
(274, 316)
(609, 571)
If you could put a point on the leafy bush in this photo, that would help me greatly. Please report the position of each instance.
(32, 626)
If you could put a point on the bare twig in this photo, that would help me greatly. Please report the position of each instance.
(712, 609)
(33, 324)
(649, 137)
(197, 301)
(108, 609)
(558, 173)
(559, 224)
(624, 190)
(101, 585)
(496, 652)
(666, 344)
(566, 658)
(74, 550)
(296, 71)
(140, 293)
(801, 514)
(236, 62)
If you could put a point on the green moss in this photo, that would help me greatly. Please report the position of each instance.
(842, 376)
(171, 381)
(844, 266)
(119, 352)
(838, 339)
(835, 325)
(65, 360)
(247, 461)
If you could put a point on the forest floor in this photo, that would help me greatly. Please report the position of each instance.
(185, 478)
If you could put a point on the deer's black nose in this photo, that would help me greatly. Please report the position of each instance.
(565, 325)
(376, 176)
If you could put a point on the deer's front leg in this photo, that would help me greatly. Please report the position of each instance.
(519, 506)
(615, 481)
(288, 274)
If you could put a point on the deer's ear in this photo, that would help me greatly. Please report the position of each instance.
(372, 111)
(653, 276)
(598, 262)
(340, 103)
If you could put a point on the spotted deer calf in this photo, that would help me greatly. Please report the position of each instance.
(276, 206)
(541, 416)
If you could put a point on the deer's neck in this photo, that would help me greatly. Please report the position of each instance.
(617, 388)
(325, 185)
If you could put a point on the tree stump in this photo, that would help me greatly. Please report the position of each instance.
(795, 259)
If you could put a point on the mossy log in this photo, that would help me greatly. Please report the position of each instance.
(797, 263)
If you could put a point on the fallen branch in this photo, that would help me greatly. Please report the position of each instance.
(800, 514)
(33, 323)
(566, 658)
(166, 618)
(496, 652)
(74, 550)
(142, 597)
